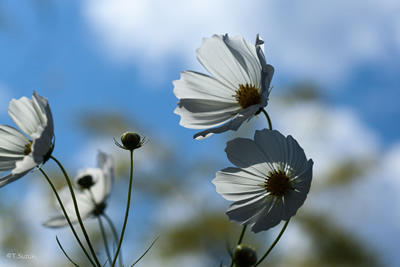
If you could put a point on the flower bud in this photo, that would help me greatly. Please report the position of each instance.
(130, 141)
(244, 256)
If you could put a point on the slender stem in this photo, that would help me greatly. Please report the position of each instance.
(103, 233)
(242, 234)
(273, 244)
(144, 252)
(240, 240)
(65, 253)
(111, 226)
(77, 211)
(66, 215)
(114, 231)
(127, 211)
(268, 118)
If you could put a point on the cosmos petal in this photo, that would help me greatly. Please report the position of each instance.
(234, 184)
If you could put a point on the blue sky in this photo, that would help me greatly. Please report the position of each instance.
(122, 56)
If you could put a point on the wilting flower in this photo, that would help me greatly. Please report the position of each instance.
(94, 186)
(18, 153)
(270, 183)
(237, 90)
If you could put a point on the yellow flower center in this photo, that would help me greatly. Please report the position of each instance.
(277, 183)
(28, 149)
(247, 95)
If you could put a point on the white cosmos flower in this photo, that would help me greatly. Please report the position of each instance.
(270, 183)
(18, 153)
(94, 186)
(238, 88)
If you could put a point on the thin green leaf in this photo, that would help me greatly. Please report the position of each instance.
(65, 253)
(145, 252)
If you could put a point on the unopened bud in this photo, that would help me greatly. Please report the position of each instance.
(131, 141)
(244, 256)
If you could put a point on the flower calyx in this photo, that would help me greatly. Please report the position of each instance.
(131, 141)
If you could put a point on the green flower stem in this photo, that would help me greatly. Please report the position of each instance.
(240, 240)
(114, 232)
(77, 210)
(273, 244)
(101, 226)
(66, 215)
(127, 210)
(268, 118)
(103, 233)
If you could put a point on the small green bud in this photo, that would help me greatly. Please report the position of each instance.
(131, 141)
(244, 256)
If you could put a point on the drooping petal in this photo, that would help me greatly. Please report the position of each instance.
(85, 206)
(11, 177)
(233, 124)
(201, 114)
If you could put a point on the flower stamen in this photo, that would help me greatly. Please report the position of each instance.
(277, 183)
(247, 95)
(28, 148)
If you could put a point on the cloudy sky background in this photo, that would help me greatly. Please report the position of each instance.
(121, 56)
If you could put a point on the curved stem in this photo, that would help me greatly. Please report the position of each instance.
(115, 235)
(103, 233)
(127, 211)
(273, 244)
(101, 226)
(240, 240)
(66, 215)
(77, 210)
(268, 118)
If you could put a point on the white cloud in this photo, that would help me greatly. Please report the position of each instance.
(330, 136)
(306, 39)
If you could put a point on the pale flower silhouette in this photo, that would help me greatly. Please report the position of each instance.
(94, 186)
